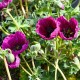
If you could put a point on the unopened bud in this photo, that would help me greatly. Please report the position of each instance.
(35, 47)
(76, 60)
(60, 4)
(41, 51)
(10, 58)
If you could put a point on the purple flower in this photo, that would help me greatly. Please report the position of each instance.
(4, 3)
(15, 63)
(17, 43)
(68, 29)
(47, 28)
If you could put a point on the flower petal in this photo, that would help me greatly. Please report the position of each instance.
(8, 41)
(16, 42)
(4, 3)
(47, 28)
(63, 21)
(73, 23)
(24, 47)
(68, 29)
(16, 63)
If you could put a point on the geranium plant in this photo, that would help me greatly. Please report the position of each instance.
(39, 39)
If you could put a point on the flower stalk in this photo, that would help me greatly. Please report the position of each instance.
(57, 69)
(25, 70)
(23, 10)
(27, 64)
(3, 31)
(26, 3)
(56, 64)
(15, 22)
(61, 73)
(15, 8)
(33, 63)
(7, 69)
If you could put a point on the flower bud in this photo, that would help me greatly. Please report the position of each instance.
(41, 51)
(76, 60)
(60, 4)
(10, 58)
(34, 53)
(35, 47)
(38, 46)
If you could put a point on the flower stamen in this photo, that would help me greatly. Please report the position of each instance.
(49, 31)
(68, 32)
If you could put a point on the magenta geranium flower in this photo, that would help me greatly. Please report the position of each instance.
(4, 3)
(15, 63)
(16, 42)
(68, 29)
(47, 28)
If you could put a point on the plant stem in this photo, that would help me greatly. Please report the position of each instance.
(33, 63)
(58, 12)
(7, 69)
(26, 3)
(49, 62)
(56, 64)
(4, 31)
(15, 8)
(27, 64)
(57, 68)
(23, 10)
(25, 70)
(34, 66)
(7, 11)
(61, 73)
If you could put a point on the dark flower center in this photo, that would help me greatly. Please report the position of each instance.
(49, 30)
(68, 32)
(17, 47)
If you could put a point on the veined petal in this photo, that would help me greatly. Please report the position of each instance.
(16, 63)
(47, 28)
(68, 29)
(4, 3)
(16, 42)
